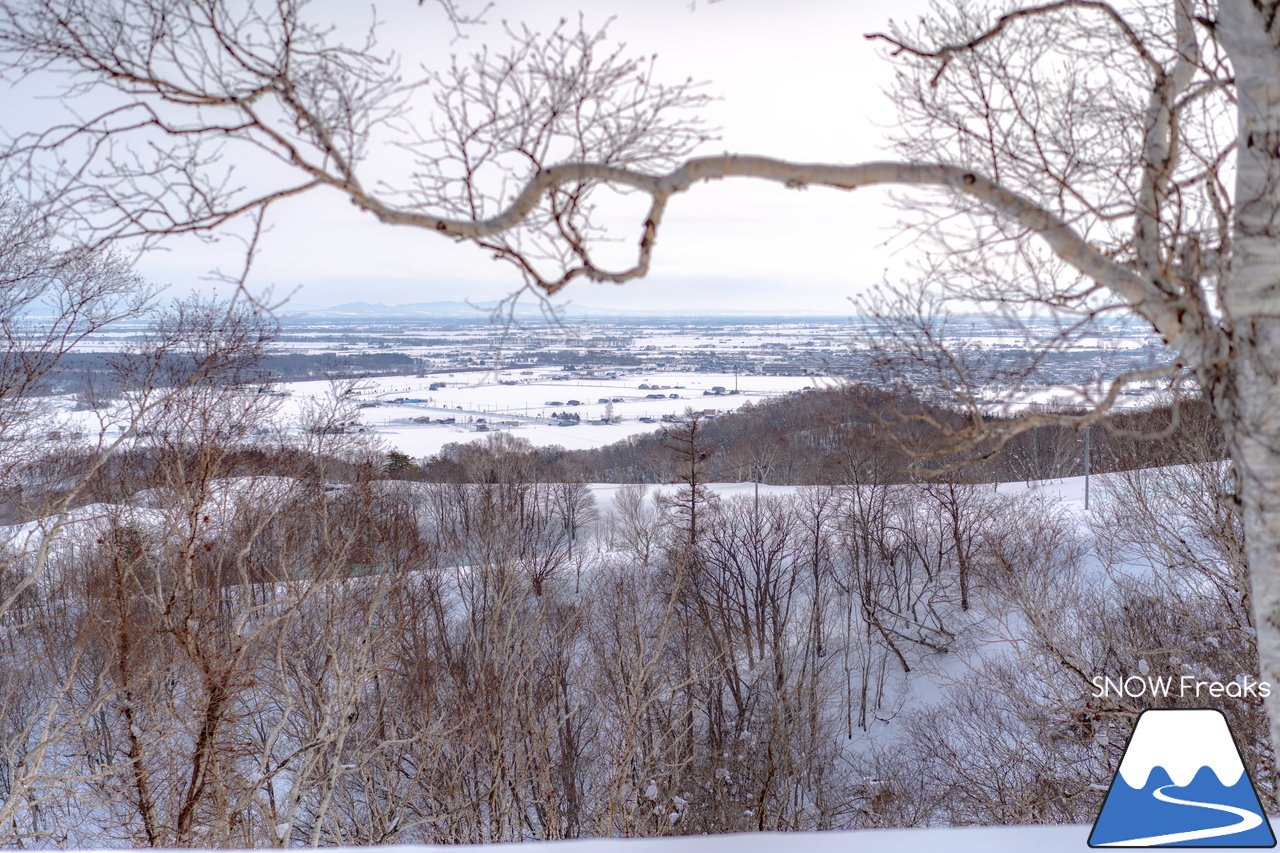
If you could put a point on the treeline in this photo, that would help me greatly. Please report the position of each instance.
(97, 377)
(857, 434)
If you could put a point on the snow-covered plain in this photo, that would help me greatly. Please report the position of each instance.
(484, 402)
(525, 409)
(516, 376)
(404, 412)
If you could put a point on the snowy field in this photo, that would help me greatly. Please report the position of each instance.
(404, 412)
(491, 377)
(1001, 839)
(525, 409)
(407, 414)
(1067, 492)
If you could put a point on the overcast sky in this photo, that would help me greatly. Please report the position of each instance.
(795, 80)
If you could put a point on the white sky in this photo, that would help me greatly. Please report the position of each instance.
(796, 80)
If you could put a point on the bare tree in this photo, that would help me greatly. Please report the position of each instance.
(1027, 736)
(636, 523)
(1066, 188)
(51, 299)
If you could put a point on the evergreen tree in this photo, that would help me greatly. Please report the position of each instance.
(686, 439)
(397, 462)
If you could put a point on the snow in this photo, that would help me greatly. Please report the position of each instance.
(926, 685)
(525, 406)
(606, 493)
(483, 401)
(419, 441)
(513, 402)
(970, 839)
(985, 839)
(1006, 401)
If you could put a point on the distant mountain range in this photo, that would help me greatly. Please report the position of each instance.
(523, 310)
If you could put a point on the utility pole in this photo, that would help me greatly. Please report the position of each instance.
(758, 470)
(1087, 460)
(577, 574)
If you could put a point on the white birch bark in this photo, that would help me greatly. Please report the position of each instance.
(1244, 386)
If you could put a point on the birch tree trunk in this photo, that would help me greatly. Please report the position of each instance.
(1254, 442)
(1244, 385)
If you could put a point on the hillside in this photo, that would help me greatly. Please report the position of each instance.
(857, 434)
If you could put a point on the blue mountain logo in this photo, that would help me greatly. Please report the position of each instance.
(1181, 783)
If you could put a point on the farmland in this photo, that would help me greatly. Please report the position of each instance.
(418, 383)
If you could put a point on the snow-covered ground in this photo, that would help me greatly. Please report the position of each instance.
(923, 687)
(484, 402)
(1067, 491)
(985, 839)
(405, 413)
(525, 408)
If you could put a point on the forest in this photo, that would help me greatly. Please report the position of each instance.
(851, 432)
(228, 639)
